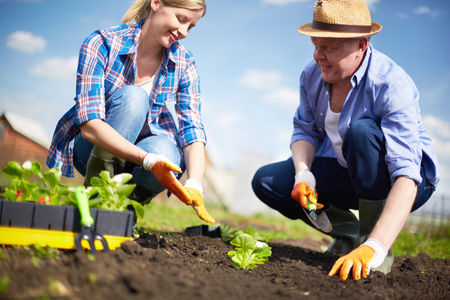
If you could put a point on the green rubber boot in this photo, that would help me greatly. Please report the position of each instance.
(369, 212)
(345, 230)
(101, 160)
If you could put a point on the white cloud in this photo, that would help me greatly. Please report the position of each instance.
(281, 2)
(402, 15)
(371, 4)
(270, 83)
(26, 42)
(56, 68)
(284, 96)
(439, 132)
(425, 10)
(261, 80)
(227, 119)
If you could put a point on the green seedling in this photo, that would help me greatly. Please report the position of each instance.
(249, 252)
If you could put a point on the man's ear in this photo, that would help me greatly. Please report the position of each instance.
(363, 43)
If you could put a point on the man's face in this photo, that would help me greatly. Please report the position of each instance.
(337, 58)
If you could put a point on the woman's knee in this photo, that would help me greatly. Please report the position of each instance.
(161, 145)
(131, 100)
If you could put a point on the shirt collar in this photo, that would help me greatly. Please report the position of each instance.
(358, 75)
(130, 42)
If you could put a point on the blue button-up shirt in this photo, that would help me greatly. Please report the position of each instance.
(107, 62)
(383, 92)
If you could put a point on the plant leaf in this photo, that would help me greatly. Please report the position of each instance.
(125, 190)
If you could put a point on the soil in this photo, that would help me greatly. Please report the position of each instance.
(177, 266)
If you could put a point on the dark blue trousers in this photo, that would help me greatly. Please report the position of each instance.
(366, 177)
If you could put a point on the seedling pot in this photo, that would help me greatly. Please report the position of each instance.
(63, 218)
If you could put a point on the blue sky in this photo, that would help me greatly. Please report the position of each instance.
(249, 56)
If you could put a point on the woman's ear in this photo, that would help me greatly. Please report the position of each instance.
(155, 4)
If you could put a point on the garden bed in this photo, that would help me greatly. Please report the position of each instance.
(178, 266)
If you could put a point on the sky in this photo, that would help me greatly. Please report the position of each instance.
(249, 56)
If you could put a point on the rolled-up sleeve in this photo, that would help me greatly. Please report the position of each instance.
(90, 91)
(305, 128)
(188, 107)
(400, 125)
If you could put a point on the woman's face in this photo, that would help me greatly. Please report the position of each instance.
(170, 23)
(338, 59)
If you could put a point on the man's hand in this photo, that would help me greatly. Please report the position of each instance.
(304, 195)
(304, 190)
(162, 168)
(368, 256)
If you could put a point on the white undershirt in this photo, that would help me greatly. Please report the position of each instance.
(147, 85)
(331, 128)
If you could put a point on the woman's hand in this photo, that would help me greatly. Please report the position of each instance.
(195, 190)
(162, 168)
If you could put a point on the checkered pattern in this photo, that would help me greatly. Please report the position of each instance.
(107, 62)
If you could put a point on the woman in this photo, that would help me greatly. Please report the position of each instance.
(127, 76)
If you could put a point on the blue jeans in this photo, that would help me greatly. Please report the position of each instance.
(366, 177)
(126, 112)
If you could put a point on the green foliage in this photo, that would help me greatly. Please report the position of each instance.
(113, 193)
(92, 277)
(2, 255)
(106, 192)
(23, 188)
(249, 252)
(4, 282)
(431, 239)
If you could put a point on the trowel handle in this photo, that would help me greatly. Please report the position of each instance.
(83, 207)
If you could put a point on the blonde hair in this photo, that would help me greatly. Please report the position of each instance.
(140, 9)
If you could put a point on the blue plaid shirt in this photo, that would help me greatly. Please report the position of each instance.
(383, 92)
(107, 62)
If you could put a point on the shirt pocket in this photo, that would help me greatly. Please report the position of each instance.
(165, 99)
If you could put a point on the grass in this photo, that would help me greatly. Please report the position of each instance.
(173, 216)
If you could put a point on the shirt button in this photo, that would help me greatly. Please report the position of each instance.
(321, 114)
(320, 129)
(327, 93)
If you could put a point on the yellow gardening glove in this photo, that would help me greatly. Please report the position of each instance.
(199, 205)
(162, 168)
(195, 190)
(368, 256)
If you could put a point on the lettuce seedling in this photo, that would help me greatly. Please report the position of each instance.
(249, 252)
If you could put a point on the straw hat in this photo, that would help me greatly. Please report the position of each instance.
(340, 19)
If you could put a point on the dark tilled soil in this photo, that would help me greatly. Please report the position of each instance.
(180, 267)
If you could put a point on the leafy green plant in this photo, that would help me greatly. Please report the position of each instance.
(106, 192)
(23, 187)
(249, 252)
(4, 282)
(113, 193)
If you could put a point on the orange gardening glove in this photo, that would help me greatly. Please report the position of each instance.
(368, 256)
(199, 205)
(162, 168)
(304, 195)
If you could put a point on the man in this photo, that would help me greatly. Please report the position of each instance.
(358, 140)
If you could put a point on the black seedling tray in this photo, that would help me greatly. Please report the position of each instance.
(63, 218)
